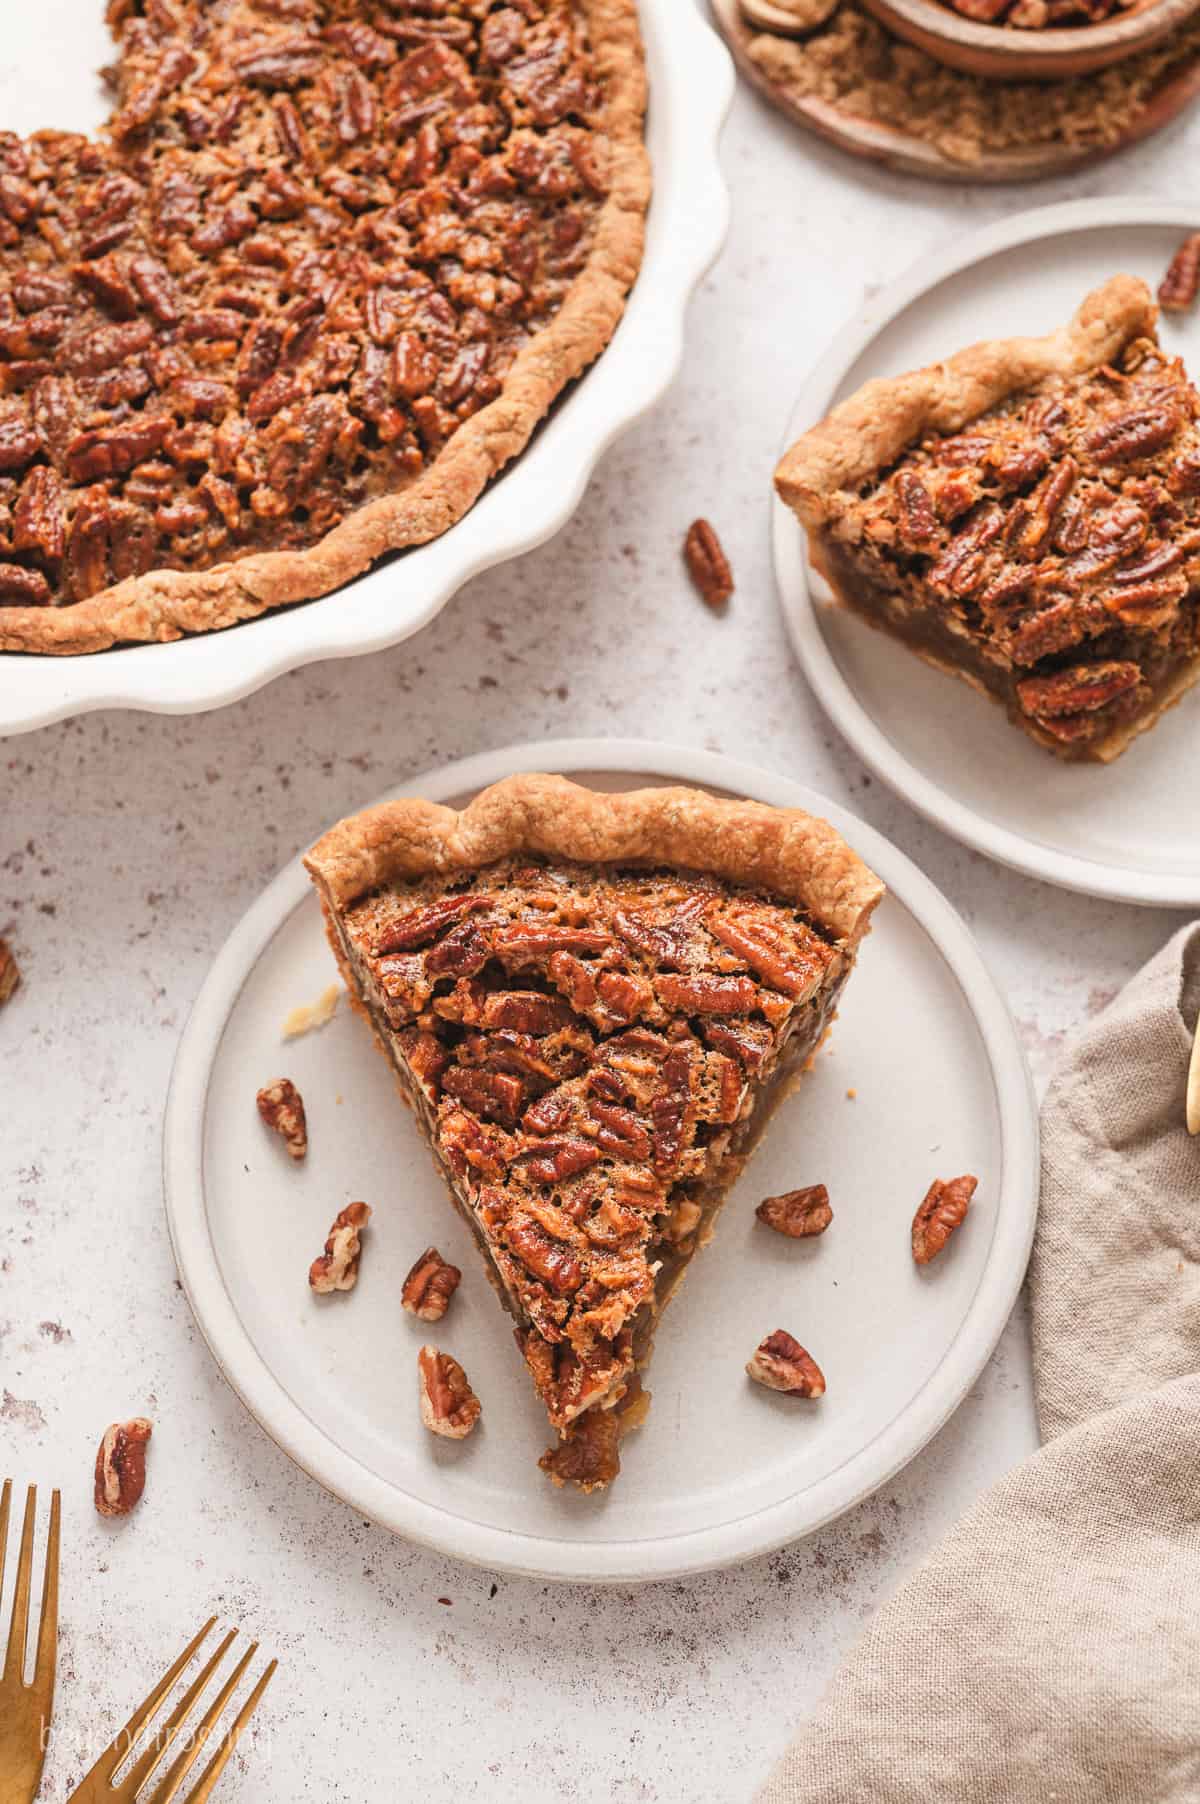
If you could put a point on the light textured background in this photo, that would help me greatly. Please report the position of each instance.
(130, 846)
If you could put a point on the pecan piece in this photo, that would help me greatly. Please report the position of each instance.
(449, 1406)
(1080, 690)
(24, 586)
(587, 1455)
(38, 523)
(797, 1213)
(429, 1286)
(619, 1131)
(918, 522)
(526, 1012)
(781, 1364)
(121, 1466)
(337, 1267)
(552, 1161)
(1178, 289)
(769, 960)
(549, 1260)
(531, 940)
(282, 1109)
(10, 973)
(707, 994)
(943, 1209)
(707, 564)
(1135, 433)
(490, 1094)
(425, 924)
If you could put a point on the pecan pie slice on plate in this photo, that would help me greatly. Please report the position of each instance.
(327, 267)
(592, 1003)
(1025, 515)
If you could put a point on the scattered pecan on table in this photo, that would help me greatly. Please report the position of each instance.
(121, 1466)
(449, 1406)
(429, 1286)
(797, 1213)
(781, 1364)
(10, 973)
(337, 1267)
(1179, 287)
(943, 1210)
(707, 564)
(282, 1108)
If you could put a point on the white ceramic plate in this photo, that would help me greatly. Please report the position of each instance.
(721, 1471)
(1128, 830)
(51, 53)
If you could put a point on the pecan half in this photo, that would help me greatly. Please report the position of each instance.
(429, 1286)
(781, 1364)
(797, 1213)
(121, 1466)
(10, 974)
(707, 564)
(337, 1267)
(282, 1108)
(942, 1211)
(1179, 287)
(1083, 689)
(449, 1406)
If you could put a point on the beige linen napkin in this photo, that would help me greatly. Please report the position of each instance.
(1048, 1652)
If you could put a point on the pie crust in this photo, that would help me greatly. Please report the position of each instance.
(164, 604)
(593, 1003)
(1061, 403)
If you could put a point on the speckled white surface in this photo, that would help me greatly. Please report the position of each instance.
(128, 848)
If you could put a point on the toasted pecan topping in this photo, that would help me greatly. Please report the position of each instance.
(311, 243)
(586, 1080)
(1057, 539)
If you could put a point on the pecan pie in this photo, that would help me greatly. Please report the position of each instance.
(315, 284)
(1025, 515)
(1037, 15)
(591, 1002)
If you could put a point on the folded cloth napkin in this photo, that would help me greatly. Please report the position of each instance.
(1048, 1652)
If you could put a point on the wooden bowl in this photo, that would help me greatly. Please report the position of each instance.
(910, 155)
(1017, 54)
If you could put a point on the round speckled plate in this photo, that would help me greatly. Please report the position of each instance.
(1126, 830)
(923, 1077)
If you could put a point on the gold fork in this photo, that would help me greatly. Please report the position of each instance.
(25, 1709)
(99, 1784)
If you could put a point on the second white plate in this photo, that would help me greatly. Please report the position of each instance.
(720, 1471)
(1126, 830)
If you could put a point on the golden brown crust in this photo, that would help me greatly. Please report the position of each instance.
(870, 430)
(781, 850)
(165, 604)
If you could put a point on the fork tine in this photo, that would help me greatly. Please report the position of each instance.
(47, 1642)
(118, 1749)
(192, 1752)
(216, 1766)
(151, 1758)
(14, 1660)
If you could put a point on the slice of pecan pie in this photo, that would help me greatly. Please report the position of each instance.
(314, 285)
(592, 1002)
(1025, 515)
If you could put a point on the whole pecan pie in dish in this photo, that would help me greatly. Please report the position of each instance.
(1025, 515)
(318, 280)
(592, 1003)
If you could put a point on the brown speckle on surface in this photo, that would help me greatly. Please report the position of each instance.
(21, 1412)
